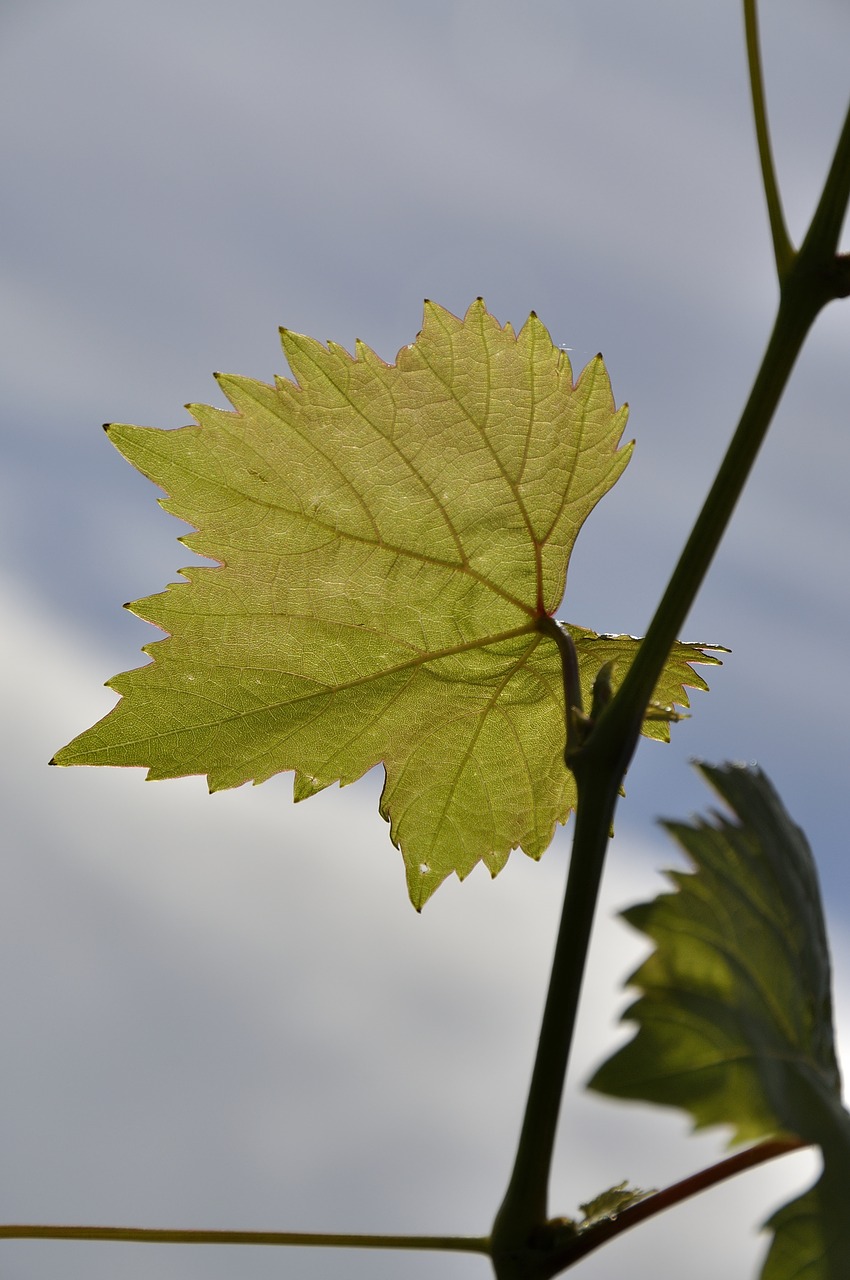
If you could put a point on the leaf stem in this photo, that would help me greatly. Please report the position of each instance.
(573, 708)
(783, 250)
(155, 1235)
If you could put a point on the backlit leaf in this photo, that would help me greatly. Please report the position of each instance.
(388, 539)
(609, 1203)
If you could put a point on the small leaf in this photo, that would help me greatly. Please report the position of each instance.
(389, 538)
(609, 1203)
(735, 1016)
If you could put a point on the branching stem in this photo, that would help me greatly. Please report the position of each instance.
(615, 736)
(808, 281)
(815, 276)
(599, 768)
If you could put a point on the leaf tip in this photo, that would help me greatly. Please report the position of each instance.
(422, 882)
(305, 785)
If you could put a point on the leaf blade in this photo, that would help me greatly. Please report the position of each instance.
(387, 539)
(735, 1014)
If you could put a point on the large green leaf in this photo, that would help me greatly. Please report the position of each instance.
(389, 538)
(735, 1016)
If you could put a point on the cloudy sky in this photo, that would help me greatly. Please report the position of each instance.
(223, 1011)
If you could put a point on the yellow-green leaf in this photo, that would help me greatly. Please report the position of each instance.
(389, 538)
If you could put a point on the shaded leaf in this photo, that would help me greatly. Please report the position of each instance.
(735, 1016)
(389, 538)
(812, 1234)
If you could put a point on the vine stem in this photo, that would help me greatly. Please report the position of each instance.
(809, 279)
(613, 741)
(813, 276)
(525, 1202)
(599, 767)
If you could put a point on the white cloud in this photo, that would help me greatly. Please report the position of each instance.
(223, 1010)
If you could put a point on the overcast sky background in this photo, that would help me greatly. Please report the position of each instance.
(223, 1011)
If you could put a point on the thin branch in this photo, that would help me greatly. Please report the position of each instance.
(154, 1235)
(590, 1239)
(783, 250)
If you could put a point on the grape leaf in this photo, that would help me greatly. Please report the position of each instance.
(735, 1016)
(609, 1203)
(601, 1208)
(389, 539)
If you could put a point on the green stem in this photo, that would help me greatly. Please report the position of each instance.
(783, 250)
(808, 280)
(815, 276)
(599, 768)
(154, 1235)
(525, 1204)
(824, 231)
(573, 709)
(613, 740)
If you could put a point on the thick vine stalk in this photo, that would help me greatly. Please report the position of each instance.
(808, 279)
